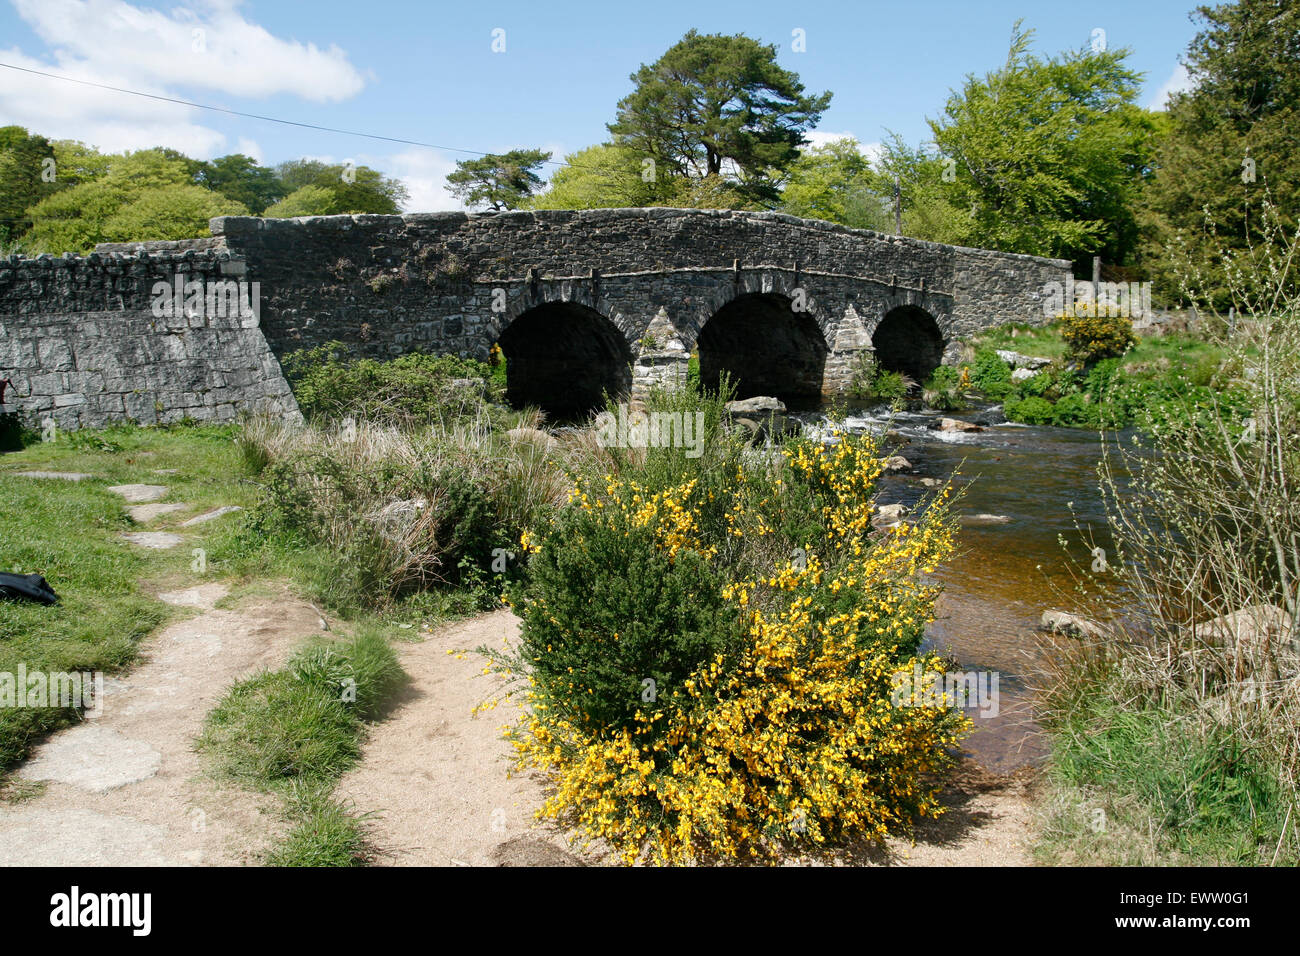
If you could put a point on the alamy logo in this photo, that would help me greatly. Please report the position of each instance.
(1128, 300)
(637, 429)
(83, 690)
(964, 689)
(200, 298)
(75, 908)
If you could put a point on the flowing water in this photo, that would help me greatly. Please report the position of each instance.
(1043, 480)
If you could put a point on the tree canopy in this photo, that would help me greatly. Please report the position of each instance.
(1230, 141)
(1045, 155)
(719, 106)
(498, 180)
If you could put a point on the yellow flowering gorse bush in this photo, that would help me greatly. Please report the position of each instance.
(781, 732)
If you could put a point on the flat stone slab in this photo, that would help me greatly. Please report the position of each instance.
(142, 513)
(210, 515)
(139, 494)
(33, 836)
(202, 595)
(63, 475)
(155, 540)
(92, 758)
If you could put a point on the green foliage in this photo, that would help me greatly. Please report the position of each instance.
(991, 375)
(1043, 156)
(411, 389)
(834, 182)
(603, 176)
(358, 189)
(1244, 103)
(871, 383)
(713, 99)
(23, 159)
(74, 219)
(1091, 334)
(498, 180)
(1030, 411)
(240, 178)
(309, 200)
(943, 390)
(169, 212)
(644, 616)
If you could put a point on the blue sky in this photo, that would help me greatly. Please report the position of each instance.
(428, 72)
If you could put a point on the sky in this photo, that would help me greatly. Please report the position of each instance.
(490, 76)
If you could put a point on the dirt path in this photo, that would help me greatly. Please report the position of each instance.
(126, 788)
(437, 777)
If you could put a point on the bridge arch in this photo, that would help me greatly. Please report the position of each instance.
(909, 340)
(766, 347)
(563, 357)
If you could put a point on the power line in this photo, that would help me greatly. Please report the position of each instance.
(273, 119)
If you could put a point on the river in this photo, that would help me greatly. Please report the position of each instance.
(995, 589)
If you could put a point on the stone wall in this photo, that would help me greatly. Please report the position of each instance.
(82, 346)
(79, 340)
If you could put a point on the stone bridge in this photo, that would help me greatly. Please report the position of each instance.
(581, 303)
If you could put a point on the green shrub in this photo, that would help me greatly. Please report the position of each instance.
(644, 616)
(991, 376)
(943, 389)
(871, 383)
(1030, 411)
(414, 389)
(1074, 409)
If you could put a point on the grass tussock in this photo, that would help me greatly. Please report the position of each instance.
(295, 731)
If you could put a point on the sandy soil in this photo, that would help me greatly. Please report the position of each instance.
(127, 788)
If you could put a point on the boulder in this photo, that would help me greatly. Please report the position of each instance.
(897, 463)
(1023, 374)
(1059, 622)
(759, 406)
(1254, 630)
(1017, 361)
(890, 512)
(762, 416)
(957, 425)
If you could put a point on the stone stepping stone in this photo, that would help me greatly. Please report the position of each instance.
(64, 475)
(210, 515)
(154, 540)
(93, 758)
(139, 494)
(81, 838)
(202, 595)
(142, 513)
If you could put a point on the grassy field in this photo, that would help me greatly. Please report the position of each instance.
(71, 532)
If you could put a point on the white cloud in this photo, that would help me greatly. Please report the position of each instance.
(108, 121)
(818, 138)
(1179, 81)
(115, 43)
(424, 171)
(217, 50)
